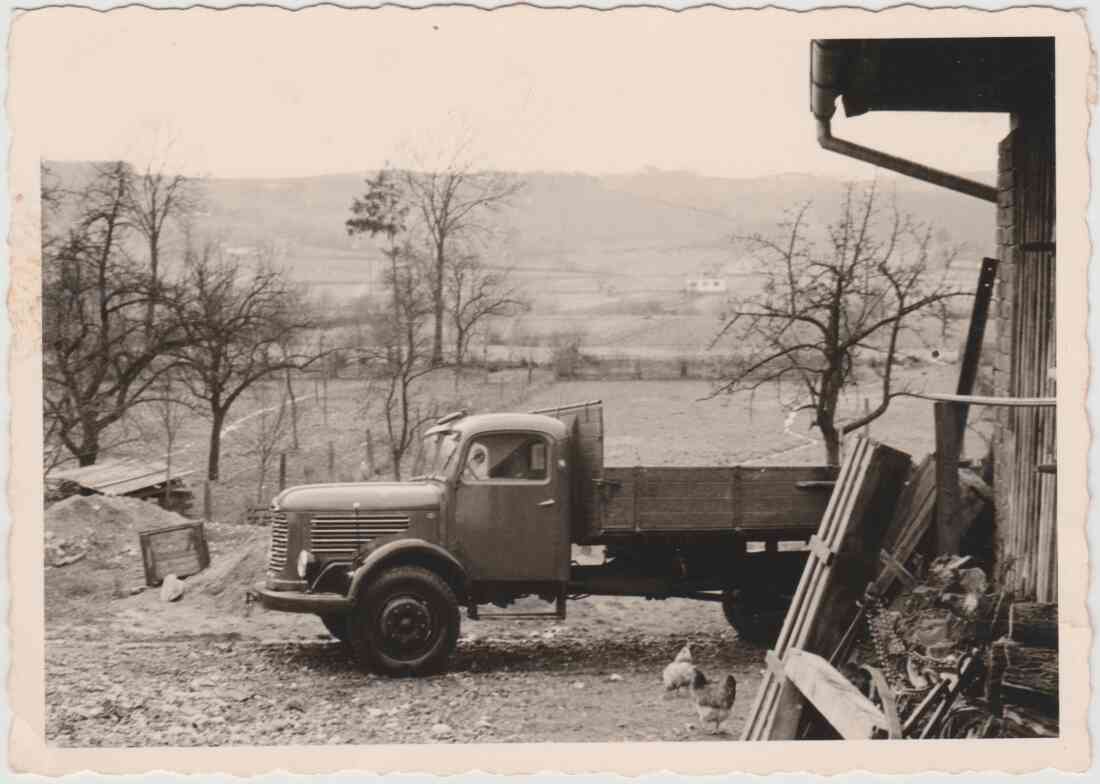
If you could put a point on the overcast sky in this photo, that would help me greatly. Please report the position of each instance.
(264, 92)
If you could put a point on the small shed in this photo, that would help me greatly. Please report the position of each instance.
(142, 479)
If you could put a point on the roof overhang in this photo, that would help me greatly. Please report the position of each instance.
(930, 74)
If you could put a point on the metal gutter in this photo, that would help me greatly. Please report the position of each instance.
(901, 165)
(827, 63)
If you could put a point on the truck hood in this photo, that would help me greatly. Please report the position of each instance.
(370, 496)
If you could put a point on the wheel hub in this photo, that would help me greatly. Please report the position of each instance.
(407, 621)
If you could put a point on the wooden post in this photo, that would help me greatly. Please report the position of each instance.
(331, 462)
(968, 370)
(948, 444)
(866, 411)
(282, 471)
(207, 502)
(370, 455)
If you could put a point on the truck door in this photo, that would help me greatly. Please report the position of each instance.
(509, 516)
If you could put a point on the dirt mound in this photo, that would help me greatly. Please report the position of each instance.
(92, 552)
(105, 520)
(233, 569)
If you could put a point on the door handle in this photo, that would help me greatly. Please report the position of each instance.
(547, 502)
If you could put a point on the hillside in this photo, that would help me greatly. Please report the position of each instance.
(582, 237)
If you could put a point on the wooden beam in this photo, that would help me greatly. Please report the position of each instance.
(948, 492)
(836, 699)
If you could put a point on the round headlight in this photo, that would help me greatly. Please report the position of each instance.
(305, 558)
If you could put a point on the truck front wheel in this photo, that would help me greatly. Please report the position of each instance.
(406, 623)
(758, 620)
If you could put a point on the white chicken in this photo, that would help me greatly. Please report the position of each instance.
(680, 673)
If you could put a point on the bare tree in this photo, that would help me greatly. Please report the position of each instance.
(450, 207)
(817, 311)
(399, 355)
(237, 322)
(98, 360)
(266, 431)
(454, 203)
(153, 199)
(171, 409)
(475, 293)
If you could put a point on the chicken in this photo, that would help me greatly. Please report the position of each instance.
(679, 673)
(713, 701)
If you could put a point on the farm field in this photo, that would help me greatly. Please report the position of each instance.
(679, 423)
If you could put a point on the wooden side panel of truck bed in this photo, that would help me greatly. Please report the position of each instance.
(767, 501)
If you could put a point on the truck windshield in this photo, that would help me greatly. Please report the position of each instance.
(439, 451)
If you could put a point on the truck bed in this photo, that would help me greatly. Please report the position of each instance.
(760, 502)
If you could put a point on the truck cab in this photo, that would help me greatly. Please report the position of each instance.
(488, 521)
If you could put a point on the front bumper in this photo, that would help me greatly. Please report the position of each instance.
(301, 602)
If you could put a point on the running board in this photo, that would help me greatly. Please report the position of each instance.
(558, 613)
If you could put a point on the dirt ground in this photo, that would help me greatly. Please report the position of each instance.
(210, 670)
(126, 669)
(180, 674)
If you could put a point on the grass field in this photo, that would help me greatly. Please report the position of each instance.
(678, 423)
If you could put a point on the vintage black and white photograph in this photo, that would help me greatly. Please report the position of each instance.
(533, 377)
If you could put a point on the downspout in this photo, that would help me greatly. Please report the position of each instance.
(826, 63)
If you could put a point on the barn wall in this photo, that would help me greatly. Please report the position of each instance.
(1024, 356)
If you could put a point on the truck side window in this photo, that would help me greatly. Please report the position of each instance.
(506, 456)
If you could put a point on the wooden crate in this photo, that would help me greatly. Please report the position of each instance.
(177, 549)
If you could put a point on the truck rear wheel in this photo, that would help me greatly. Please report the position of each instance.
(757, 619)
(407, 622)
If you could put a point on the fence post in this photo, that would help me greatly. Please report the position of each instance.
(331, 462)
(282, 471)
(866, 411)
(370, 455)
(207, 501)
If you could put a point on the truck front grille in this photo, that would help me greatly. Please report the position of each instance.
(339, 537)
(277, 556)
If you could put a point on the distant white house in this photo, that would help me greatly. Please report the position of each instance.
(705, 285)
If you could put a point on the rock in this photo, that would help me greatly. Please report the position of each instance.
(375, 713)
(578, 685)
(171, 589)
(615, 677)
(295, 705)
(442, 731)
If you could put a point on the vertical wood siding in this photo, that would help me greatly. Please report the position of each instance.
(1026, 512)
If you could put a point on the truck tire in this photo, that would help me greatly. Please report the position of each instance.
(337, 626)
(406, 623)
(758, 620)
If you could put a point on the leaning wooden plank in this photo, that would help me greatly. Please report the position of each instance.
(763, 703)
(764, 707)
(849, 712)
(856, 540)
(787, 715)
(851, 474)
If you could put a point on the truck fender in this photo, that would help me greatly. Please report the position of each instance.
(413, 552)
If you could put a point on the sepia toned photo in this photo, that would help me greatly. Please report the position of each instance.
(397, 385)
